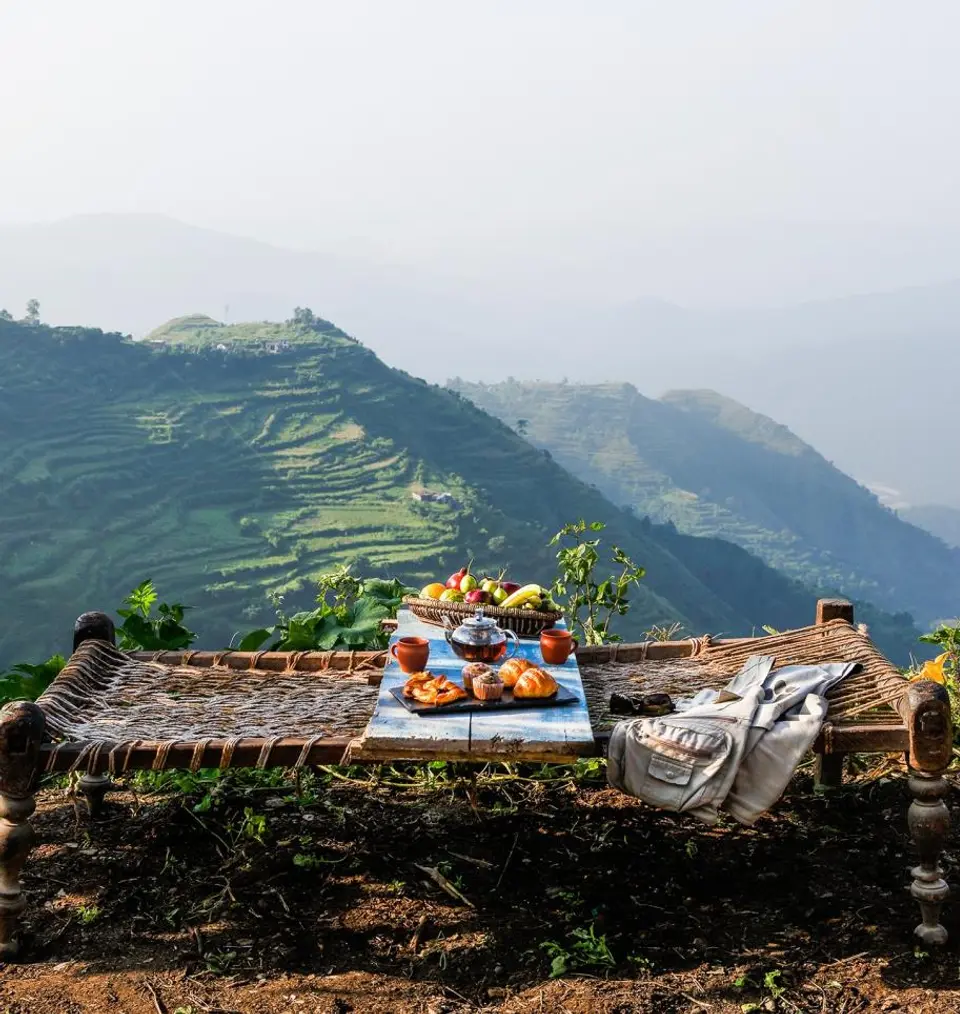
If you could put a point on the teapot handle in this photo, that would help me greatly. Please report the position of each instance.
(448, 627)
(516, 644)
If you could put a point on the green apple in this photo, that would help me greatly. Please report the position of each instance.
(468, 584)
(452, 595)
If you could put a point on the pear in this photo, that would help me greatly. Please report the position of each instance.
(468, 583)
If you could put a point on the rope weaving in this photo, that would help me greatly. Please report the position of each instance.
(109, 703)
(105, 697)
(869, 695)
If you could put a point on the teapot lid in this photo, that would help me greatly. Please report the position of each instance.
(479, 620)
(479, 628)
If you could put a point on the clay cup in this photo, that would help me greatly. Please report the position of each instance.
(411, 652)
(556, 646)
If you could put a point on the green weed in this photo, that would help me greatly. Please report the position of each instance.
(582, 949)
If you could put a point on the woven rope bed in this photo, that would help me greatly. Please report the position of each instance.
(111, 711)
(108, 711)
(119, 706)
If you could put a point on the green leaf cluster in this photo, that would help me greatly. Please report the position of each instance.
(348, 615)
(141, 630)
(26, 681)
(583, 949)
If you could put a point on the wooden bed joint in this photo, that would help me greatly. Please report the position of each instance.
(830, 763)
(94, 626)
(926, 713)
(22, 728)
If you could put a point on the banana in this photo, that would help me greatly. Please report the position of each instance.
(528, 593)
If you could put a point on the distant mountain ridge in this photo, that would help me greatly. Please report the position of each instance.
(232, 462)
(847, 375)
(713, 467)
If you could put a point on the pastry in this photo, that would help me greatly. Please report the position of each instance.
(487, 687)
(471, 671)
(429, 689)
(510, 671)
(535, 683)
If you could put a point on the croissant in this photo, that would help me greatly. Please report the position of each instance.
(429, 689)
(416, 681)
(512, 669)
(535, 683)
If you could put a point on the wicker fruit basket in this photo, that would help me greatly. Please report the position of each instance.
(523, 622)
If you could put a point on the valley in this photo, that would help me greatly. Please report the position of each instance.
(232, 464)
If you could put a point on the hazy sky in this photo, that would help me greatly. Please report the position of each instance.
(617, 141)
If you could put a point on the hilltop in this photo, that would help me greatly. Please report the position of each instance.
(838, 371)
(233, 462)
(714, 468)
(230, 463)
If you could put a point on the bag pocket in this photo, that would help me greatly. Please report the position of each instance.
(677, 762)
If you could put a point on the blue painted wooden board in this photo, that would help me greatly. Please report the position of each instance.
(537, 734)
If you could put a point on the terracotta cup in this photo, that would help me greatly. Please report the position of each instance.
(411, 652)
(556, 646)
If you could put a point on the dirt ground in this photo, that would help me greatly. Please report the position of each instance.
(257, 899)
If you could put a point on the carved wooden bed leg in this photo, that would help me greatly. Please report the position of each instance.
(828, 772)
(94, 788)
(929, 822)
(927, 715)
(21, 733)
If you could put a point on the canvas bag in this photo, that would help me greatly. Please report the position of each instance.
(734, 749)
(687, 762)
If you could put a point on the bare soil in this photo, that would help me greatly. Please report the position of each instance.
(325, 907)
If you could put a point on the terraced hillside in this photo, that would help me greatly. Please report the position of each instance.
(229, 463)
(714, 468)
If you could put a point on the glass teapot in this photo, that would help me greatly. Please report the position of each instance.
(479, 639)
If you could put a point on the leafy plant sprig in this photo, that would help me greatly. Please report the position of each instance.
(590, 604)
(142, 631)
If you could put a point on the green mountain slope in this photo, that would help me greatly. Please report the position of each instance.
(713, 467)
(230, 462)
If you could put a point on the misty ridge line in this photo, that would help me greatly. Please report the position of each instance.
(861, 356)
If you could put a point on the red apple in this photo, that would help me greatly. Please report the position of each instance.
(510, 587)
(478, 597)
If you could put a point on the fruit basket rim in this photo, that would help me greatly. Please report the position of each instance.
(469, 608)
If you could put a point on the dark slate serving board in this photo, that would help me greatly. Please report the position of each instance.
(506, 703)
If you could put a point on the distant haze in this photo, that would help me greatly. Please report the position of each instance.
(638, 148)
(627, 190)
